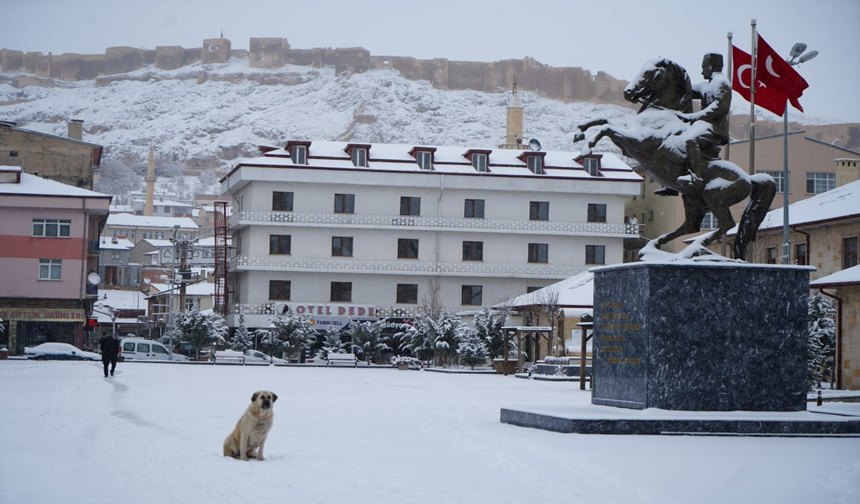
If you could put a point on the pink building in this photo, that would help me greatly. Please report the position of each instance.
(49, 237)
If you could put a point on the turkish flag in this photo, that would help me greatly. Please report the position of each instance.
(777, 73)
(767, 97)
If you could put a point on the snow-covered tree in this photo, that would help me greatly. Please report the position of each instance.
(821, 340)
(488, 324)
(242, 339)
(433, 337)
(291, 333)
(470, 347)
(200, 328)
(367, 337)
(332, 343)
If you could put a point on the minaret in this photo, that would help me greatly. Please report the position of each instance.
(150, 183)
(514, 133)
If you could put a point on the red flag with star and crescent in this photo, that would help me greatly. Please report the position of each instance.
(777, 73)
(767, 97)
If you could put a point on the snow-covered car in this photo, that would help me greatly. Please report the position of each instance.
(140, 349)
(258, 357)
(59, 351)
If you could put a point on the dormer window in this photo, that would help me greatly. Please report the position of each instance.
(358, 154)
(423, 156)
(298, 152)
(480, 159)
(591, 164)
(534, 161)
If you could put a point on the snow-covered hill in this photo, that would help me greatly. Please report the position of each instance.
(202, 119)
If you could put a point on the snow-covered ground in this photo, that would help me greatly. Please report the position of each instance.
(154, 432)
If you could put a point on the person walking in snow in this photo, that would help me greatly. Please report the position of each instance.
(110, 352)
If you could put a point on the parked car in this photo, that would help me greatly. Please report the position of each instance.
(59, 351)
(140, 349)
(258, 357)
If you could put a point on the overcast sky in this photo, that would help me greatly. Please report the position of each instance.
(615, 36)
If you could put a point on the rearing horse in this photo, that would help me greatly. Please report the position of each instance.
(656, 137)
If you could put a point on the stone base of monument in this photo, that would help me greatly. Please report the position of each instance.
(700, 348)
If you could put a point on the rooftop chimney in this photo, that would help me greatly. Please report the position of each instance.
(76, 129)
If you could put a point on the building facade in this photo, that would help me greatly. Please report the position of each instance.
(49, 259)
(345, 231)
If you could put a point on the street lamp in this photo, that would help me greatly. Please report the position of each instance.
(170, 315)
(797, 57)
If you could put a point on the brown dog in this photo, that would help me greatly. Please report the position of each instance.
(248, 438)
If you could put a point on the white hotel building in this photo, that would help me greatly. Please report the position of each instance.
(363, 231)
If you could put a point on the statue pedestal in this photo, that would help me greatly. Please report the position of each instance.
(700, 336)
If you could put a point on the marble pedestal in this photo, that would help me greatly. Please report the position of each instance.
(700, 337)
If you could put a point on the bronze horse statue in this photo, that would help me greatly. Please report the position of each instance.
(656, 137)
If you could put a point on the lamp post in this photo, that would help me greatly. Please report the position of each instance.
(170, 314)
(796, 57)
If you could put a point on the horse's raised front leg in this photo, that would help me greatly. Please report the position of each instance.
(584, 127)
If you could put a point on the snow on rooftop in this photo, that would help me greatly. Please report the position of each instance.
(577, 290)
(32, 185)
(843, 277)
(108, 243)
(124, 219)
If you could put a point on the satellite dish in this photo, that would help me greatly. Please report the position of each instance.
(534, 144)
(93, 278)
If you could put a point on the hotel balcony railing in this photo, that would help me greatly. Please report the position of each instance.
(402, 267)
(249, 218)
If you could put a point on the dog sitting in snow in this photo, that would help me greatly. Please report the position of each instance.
(248, 438)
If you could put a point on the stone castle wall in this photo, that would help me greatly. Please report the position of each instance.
(562, 83)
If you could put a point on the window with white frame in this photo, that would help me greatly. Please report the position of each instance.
(535, 164)
(51, 228)
(595, 254)
(299, 154)
(479, 161)
(709, 221)
(817, 182)
(358, 156)
(50, 269)
(424, 159)
(592, 166)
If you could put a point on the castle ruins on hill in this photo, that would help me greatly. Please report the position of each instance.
(561, 83)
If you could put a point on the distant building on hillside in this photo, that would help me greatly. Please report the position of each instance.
(69, 160)
(344, 231)
(49, 259)
(141, 227)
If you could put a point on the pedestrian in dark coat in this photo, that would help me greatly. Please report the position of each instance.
(110, 352)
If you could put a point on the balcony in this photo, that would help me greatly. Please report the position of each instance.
(248, 218)
(93, 247)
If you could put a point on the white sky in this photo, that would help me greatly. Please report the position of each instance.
(615, 36)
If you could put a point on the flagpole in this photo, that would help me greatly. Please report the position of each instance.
(731, 73)
(753, 85)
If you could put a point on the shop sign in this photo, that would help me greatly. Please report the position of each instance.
(43, 314)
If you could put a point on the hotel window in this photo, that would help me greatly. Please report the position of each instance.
(817, 183)
(479, 161)
(410, 205)
(407, 293)
(471, 295)
(777, 176)
(474, 209)
(591, 165)
(473, 251)
(770, 255)
(535, 164)
(50, 269)
(800, 254)
(539, 210)
(538, 252)
(407, 248)
(341, 292)
(595, 254)
(279, 244)
(52, 227)
(341, 246)
(299, 154)
(344, 203)
(849, 252)
(709, 221)
(279, 290)
(424, 159)
(282, 201)
(596, 212)
(358, 156)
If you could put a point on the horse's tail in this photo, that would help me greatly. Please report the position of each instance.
(761, 196)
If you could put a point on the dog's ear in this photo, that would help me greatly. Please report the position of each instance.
(254, 397)
(274, 397)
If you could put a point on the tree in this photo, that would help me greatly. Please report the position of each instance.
(821, 340)
(488, 324)
(332, 343)
(547, 301)
(367, 336)
(199, 328)
(292, 333)
(433, 337)
(470, 347)
(242, 338)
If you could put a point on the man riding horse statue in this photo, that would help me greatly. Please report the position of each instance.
(680, 149)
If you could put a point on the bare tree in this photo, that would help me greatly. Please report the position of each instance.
(431, 304)
(546, 304)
